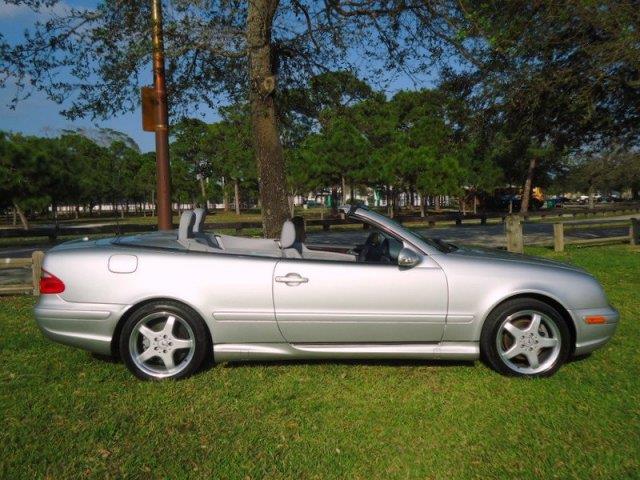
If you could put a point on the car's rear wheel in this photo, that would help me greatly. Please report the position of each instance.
(525, 337)
(164, 340)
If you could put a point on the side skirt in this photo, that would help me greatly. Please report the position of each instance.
(229, 352)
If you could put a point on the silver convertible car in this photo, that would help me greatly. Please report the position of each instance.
(166, 301)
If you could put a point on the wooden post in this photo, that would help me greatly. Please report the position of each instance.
(36, 270)
(634, 232)
(515, 240)
(558, 237)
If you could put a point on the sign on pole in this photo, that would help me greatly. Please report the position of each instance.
(149, 106)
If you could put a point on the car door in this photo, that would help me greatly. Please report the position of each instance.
(347, 302)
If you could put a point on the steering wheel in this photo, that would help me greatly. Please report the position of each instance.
(375, 249)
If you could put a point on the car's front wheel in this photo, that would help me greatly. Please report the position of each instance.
(525, 337)
(164, 340)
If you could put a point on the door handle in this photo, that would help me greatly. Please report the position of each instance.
(292, 279)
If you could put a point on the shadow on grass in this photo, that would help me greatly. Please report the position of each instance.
(361, 362)
(209, 363)
(104, 358)
(579, 358)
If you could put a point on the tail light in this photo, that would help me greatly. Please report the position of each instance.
(49, 283)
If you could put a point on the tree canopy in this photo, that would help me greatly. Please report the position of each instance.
(520, 93)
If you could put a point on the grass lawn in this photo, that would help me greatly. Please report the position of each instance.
(66, 414)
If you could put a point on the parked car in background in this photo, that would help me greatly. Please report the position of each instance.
(165, 301)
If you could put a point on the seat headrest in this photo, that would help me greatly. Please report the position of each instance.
(201, 214)
(187, 220)
(288, 235)
(298, 222)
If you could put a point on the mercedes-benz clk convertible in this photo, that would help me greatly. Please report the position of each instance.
(165, 302)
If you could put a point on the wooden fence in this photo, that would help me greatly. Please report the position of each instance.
(515, 233)
(54, 231)
(34, 263)
(513, 229)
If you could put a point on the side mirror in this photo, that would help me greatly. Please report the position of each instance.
(407, 258)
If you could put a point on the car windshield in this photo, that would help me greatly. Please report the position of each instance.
(438, 244)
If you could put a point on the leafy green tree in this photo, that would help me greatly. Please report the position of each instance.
(335, 156)
(230, 151)
(189, 136)
(556, 77)
(215, 50)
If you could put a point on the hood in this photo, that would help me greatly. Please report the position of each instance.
(501, 255)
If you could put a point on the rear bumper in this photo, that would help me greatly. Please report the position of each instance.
(592, 337)
(89, 326)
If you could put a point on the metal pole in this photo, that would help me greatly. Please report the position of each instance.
(162, 122)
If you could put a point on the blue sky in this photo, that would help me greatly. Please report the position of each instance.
(37, 115)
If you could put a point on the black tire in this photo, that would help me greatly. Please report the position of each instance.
(492, 328)
(197, 353)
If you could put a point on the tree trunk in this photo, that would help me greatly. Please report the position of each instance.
(15, 216)
(236, 195)
(592, 197)
(23, 218)
(334, 201)
(291, 199)
(423, 202)
(225, 196)
(344, 190)
(203, 191)
(266, 139)
(394, 202)
(526, 193)
(77, 211)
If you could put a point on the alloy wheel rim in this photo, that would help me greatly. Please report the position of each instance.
(162, 344)
(529, 342)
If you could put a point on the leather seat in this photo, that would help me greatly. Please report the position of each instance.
(198, 229)
(288, 244)
(185, 229)
(189, 238)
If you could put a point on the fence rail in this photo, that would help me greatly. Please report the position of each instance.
(559, 229)
(55, 231)
(515, 233)
(513, 229)
(35, 263)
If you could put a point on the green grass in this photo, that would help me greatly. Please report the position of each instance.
(66, 414)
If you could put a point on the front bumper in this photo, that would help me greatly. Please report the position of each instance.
(591, 337)
(89, 326)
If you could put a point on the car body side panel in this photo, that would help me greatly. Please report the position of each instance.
(360, 302)
(478, 284)
(233, 294)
